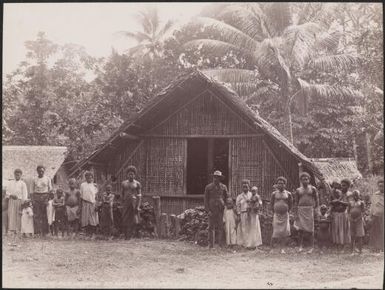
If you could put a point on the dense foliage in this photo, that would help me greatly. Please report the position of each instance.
(317, 67)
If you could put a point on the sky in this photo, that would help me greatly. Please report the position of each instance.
(92, 25)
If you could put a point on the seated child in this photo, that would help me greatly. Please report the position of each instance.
(51, 212)
(229, 218)
(27, 219)
(60, 222)
(356, 209)
(4, 214)
(106, 215)
(323, 235)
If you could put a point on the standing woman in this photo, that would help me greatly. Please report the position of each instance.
(255, 205)
(281, 203)
(242, 205)
(17, 193)
(132, 199)
(88, 215)
(41, 187)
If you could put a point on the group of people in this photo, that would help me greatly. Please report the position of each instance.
(341, 221)
(58, 213)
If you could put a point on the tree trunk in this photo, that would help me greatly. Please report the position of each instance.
(288, 122)
(369, 152)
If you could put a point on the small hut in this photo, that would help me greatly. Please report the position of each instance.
(194, 126)
(27, 158)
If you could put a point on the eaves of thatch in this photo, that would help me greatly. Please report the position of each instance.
(337, 168)
(177, 94)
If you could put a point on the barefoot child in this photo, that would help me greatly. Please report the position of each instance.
(51, 212)
(323, 235)
(255, 204)
(106, 216)
(27, 219)
(356, 209)
(60, 213)
(229, 218)
(72, 200)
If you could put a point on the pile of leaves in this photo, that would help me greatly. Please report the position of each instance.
(194, 226)
(146, 227)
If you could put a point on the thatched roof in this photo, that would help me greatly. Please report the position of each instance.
(177, 94)
(27, 158)
(337, 168)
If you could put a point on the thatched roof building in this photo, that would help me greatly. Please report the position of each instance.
(27, 158)
(194, 126)
(337, 168)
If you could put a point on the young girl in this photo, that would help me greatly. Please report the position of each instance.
(255, 203)
(60, 213)
(51, 212)
(27, 219)
(106, 217)
(323, 234)
(229, 217)
(356, 209)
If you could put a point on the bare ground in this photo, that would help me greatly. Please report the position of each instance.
(137, 263)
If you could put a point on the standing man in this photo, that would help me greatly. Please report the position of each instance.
(306, 202)
(16, 193)
(214, 199)
(131, 202)
(377, 218)
(72, 201)
(41, 187)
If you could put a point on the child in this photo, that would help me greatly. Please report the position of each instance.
(323, 235)
(229, 217)
(89, 218)
(60, 213)
(255, 204)
(72, 201)
(106, 216)
(4, 215)
(27, 219)
(51, 212)
(117, 216)
(356, 209)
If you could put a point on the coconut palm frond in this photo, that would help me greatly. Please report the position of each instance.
(278, 17)
(227, 33)
(328, 41)
(165, 31)
(138, 36)
(334, 62)
(138, 49)
(245, 20)
(216, 46)
(262, 91)
(232, 75)
(328, 91)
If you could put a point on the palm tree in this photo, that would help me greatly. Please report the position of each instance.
(150, 41)
(283, 48)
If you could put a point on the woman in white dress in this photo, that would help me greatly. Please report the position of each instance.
(242, 204)
(16, 192)
(255, 204)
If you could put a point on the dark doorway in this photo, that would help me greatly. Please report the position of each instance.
(203, 157)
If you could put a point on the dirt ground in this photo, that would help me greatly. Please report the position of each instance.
(164, 264)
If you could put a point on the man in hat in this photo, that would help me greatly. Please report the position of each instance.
(215, 195)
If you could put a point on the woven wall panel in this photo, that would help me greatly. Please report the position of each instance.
(206, 115)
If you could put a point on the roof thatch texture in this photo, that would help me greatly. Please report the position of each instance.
(27, 158)
(337, 168)
(178, 93)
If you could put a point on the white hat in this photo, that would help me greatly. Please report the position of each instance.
(218, 173)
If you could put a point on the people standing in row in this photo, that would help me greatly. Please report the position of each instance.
(214, 201)
(131, 202)
(306, 202)
(89, 217)
(281, 203)
(16, 193)
(41, 187)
